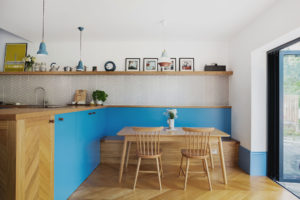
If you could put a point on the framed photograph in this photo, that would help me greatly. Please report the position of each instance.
(132, 64)
(186, 64)
(171, 68)
(150, 64)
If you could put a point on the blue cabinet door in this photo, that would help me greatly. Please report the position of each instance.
(89, 145)
(65, 156)
(77, 150)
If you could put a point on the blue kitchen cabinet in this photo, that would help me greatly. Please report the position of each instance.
(77, 149)
(65, 156)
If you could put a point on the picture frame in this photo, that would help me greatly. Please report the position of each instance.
(132, 64)
(150, 64)
(171, 68)
(186, 64)
(14, 55)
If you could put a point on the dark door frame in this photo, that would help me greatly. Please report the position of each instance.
(273, 110)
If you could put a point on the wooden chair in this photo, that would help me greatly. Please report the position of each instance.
(148, 147)
(197, 147)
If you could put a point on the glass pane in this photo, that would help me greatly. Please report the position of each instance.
(291, 117)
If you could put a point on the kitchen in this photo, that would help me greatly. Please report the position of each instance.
(82, 81)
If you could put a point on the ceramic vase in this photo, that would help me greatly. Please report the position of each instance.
(171, 123)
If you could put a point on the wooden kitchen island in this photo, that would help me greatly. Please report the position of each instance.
(27, 151)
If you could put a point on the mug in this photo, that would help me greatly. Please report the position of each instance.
(67, 68)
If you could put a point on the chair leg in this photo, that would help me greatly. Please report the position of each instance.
(208, 175)
(180, 168)
(158, 173)
(127, 155)
(211, 157)
(203, 165)
(186, 172)
(161, 169)
(137, 172)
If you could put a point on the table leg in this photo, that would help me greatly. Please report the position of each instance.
(127, 154)
(222, 160)
(123, 159)
(211, 157)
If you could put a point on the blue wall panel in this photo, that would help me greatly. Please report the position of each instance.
(254, 163)
(119, 117)
(244, 159)
(258, 166)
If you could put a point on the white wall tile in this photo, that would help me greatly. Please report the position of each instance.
(122, 90)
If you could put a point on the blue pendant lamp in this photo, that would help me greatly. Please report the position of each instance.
(42, 50)
(80, 64)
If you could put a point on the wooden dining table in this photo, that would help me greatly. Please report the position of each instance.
(177, 135)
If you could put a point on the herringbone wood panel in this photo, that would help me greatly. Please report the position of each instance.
(103, 184)
(35, 156)
(7, 159)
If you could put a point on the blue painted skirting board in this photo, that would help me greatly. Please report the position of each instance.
(118, 117)
(254, 163)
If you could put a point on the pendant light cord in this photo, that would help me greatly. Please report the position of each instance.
(80, 42)
(43, 32)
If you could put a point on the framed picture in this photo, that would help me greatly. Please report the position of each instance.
(14, 55)
(186, 64)
(150, 64)
(172, 67)
(132, 64)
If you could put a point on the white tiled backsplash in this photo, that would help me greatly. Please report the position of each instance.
(122, 90)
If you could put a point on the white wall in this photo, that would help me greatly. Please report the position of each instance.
(127, 90)
(6, 37)
(98, 52)
(248, 85)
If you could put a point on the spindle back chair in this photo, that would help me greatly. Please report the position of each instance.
(197, 147)
(148, 147)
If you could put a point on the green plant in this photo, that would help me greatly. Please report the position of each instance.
(99, 95)
(171, 115)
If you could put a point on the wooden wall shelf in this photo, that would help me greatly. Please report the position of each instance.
(196, 73)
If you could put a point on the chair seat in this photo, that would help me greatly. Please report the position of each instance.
(149, 156)
(196, 153)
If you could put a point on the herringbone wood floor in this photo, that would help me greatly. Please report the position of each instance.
(103, 184)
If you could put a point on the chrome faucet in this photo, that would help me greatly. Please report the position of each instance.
(44, 95)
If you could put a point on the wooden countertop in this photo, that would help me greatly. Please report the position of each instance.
(19, 112)
(23, 113)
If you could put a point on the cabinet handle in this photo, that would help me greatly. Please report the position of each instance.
(93, 112)
(51, 121)
(90, 113)
(61, 119)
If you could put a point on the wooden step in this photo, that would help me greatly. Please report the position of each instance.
(111, 149)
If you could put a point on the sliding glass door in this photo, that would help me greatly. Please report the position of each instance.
(289, 127)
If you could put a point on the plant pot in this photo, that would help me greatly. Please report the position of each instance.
(171, 123)
(99, 102)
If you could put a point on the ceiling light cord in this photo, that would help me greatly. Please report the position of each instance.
(43, 30)
(80, 43)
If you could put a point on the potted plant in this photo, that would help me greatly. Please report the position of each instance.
(99, 97)
(29, 61)
(172, 115)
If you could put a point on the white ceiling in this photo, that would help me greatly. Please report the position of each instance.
(130, 19)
